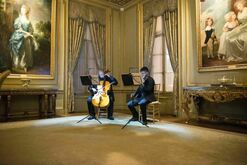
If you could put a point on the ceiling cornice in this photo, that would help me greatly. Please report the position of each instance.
(120, 3)
(107, 3)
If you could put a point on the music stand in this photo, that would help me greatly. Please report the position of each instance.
(86, 81)
(129, 81)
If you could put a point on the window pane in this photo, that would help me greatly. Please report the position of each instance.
(169, 82)
(168, 65)
(159, 25)
(162, 71)
(87, 35)
(157, 63)
(158, 45)
(86, 63)
(169, 75)
(158, 78)
(92, 66)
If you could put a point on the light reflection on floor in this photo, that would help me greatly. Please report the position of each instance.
(119, 121)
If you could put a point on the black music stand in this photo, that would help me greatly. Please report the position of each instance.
(128, 80)
(86, 81)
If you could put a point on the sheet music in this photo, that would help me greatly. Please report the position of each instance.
(95, 79)
(136, 78)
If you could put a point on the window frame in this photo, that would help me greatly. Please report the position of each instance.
(163, 92)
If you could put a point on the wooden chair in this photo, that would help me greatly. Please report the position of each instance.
(153, 109)
(102, 112)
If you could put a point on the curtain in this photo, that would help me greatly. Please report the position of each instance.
(97, 32)
(170, 28)
(76, 33)
(149, 36)
(155, 8)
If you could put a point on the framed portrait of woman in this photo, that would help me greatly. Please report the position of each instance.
(222, 34)
(27, 35)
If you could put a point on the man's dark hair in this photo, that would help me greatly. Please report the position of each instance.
(145, 69)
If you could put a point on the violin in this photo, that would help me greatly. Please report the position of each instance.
(138, 92)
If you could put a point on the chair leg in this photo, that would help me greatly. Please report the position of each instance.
(98, 109)
(153, 115)
(140, 115)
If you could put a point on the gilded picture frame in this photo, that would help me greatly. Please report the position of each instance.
(30, 47)
(221, 35)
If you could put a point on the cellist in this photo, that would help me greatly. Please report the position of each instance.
(103, 77)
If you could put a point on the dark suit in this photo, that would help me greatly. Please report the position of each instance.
(143, 96)
(113, 81)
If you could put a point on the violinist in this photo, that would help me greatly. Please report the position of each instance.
(143, 96)
(103, 77)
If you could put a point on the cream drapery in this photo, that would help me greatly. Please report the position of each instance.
(149, 36)
(155, 8)
(97, 32)
(170, 28)
(76, 33)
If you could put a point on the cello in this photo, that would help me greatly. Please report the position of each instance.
(101, 98)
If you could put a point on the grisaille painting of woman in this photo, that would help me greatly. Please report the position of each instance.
(223, 33)
(25, 34)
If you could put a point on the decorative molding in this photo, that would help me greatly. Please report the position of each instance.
(53, 52)
(188, 52)
(88, 12)
(140, 33)
(99, 3)
(156, 8)
(120, 2)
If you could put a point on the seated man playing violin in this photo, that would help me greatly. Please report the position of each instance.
(104, 78)
(143, 96)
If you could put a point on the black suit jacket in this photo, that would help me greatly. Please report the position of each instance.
(146, 90)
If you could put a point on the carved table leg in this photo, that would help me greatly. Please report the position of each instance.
(185, 106)
(8, 107)
(46, 106)
(40, 106)
(49, 110)
(53, 102)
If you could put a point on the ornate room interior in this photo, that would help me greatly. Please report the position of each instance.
(53, 51)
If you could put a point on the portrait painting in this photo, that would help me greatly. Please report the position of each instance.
(222, 34)
(26, 35)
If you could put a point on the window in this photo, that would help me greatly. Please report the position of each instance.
(86, 63)
(161, 66)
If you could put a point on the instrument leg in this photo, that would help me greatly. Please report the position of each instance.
(131, 121)
(87, 117)
(98, 120)
(126, 124)
(83, 119)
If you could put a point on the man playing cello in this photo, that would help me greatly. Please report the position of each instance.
(103, 78)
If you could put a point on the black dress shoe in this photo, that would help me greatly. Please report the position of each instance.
(110, 118)
(91, 118)
(134, 119)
